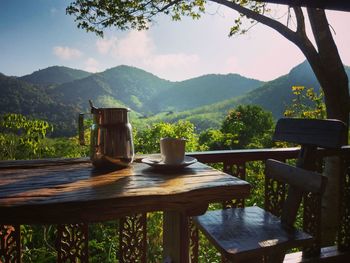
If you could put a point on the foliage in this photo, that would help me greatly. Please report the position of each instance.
(147, 141)
(247, 126)
(64, 148)
(306, 104)
(37, 243)
(20, 137)
(95, 16)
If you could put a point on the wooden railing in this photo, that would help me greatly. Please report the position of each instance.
(134, 227)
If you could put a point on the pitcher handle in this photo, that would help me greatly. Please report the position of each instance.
(81, 129)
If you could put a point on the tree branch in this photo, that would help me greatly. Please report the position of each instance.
(323, 35)
(300, 40)
(279, 27)
(167, 5)
(300, 20)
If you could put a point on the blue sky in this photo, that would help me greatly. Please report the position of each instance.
(35, 34)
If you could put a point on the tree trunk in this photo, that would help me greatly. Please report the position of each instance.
(329, 70)
(333, 79)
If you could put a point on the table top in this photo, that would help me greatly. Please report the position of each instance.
(73, 191)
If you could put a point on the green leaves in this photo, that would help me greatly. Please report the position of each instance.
(247, 126)
(20, 136)
(147, 140)
(95, 16)
(306, 104)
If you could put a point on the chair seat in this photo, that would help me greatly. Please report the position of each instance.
(243, 233)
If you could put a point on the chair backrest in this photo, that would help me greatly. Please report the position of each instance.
(299, 181)
(311, 132)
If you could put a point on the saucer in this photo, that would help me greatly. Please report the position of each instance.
(158, 163)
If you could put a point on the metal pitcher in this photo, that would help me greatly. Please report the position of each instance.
(111, 142)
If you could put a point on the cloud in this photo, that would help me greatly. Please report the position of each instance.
(137, 48)
(67, 53)
(92, 65)
(177, 66)
(231, 65)
(136, 45)
(179, 60)
(104, 46)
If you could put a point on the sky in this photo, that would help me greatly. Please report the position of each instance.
(36, 34)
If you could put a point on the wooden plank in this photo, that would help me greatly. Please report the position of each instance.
(78, 192)
(322, 133)
(248, 233)
(41, 162)
(304, 180)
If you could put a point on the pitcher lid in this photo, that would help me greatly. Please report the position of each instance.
(95, 109)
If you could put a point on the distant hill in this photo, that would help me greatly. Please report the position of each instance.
(204, 90)
(125, 85)
(146, 93)
(54, 75)
(21, 97)
(277, 94)
(58, 94)
(273, 96)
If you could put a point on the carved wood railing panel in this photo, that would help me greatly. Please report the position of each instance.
(194, 241)
(344, 226)
(72, 243)
(237, 170)
(133, 238)
(275, 195)
(312, 208)
(312, 223)
(10, 244)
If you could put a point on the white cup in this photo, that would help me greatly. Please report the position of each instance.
(172, 150)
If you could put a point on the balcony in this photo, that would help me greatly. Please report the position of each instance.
(72, 239)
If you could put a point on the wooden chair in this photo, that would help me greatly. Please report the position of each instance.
(252, 234)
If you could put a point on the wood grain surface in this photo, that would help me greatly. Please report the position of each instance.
(76, 192)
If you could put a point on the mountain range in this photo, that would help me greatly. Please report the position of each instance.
(58, 94)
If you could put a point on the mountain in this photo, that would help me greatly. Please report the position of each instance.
(146, 93)
(273, 96)
(21, 97)
(203, 90)
(128, 86)
(203, 100)
(54, 75)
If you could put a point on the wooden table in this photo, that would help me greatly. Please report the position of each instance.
(62, 192)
